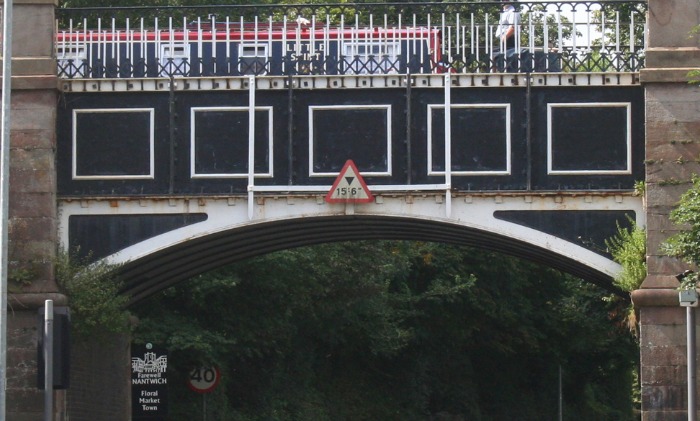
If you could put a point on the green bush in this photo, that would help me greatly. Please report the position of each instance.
(93, 295)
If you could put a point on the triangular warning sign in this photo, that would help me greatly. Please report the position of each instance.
(349, 186)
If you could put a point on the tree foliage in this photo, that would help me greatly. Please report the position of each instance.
(92, 289)
(393, 331)
(628, 248)
(686, 244)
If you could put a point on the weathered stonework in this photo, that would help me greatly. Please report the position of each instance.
(672, 151)
(32, 217)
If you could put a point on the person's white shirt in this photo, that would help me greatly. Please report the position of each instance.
(509, 18)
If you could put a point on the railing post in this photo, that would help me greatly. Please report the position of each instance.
(448, 145)
(251, 146)
(5, 195)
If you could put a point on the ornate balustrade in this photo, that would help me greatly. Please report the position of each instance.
(341, 39)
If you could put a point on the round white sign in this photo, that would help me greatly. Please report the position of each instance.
(203, 379)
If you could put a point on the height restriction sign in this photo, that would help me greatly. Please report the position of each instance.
(349, 186)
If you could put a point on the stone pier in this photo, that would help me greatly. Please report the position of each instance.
(672, 151)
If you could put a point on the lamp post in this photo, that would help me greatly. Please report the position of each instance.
(688, 298)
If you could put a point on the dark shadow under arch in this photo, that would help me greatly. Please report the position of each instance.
(157, 271)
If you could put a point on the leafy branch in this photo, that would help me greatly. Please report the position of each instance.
(97, 308)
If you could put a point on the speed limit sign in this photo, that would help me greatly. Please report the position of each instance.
(204, 379)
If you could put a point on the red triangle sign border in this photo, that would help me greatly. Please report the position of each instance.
(349, 164)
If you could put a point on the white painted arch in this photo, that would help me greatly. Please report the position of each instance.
(278, 222)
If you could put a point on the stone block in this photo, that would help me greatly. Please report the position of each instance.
(670, 22)
(36, 229)
(664, 195)
(656, 237)
(29, 249)
(21, 329)
(669, 92)
(673, 58)
(32, 205)
(667, 139)
(34, 139)
(32, 180)
(38, 159)
(663, 375)
(40, 285)
(677, 415)
(32, 30)
(679, 171)
(31, 120)
(664, 265)
(22, 368)
(664, 355)
(663, 398)
(662, 286)
(659, 316)
(25, 400)
(670, 333)
(36, 100)
(679, 109)
(660, 222)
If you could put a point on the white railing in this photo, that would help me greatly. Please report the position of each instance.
(549, 37)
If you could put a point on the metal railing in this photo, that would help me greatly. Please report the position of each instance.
(340, 39)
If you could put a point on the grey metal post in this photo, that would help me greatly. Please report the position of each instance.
(48, 360)
(561, 397)
(4, 194)
(690, 324)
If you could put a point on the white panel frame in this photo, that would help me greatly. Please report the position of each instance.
(505, 106)
(628, 108)
(270, 125)
(74, 146)
(73, 54)
(179, 52)
(386, 107)
(243, 55)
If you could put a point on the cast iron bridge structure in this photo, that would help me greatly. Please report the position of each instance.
(188, 142)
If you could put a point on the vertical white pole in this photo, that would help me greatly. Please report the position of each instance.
(690, 344)
(448, 145)
(561, 397)
(48, 360)
(4, 194)
(251, 145)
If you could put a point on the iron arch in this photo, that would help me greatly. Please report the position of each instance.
(163, 268)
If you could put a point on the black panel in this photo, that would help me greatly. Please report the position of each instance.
(589, 138)
(119, 149)
(585, 138)
(113, 143)
(478, 139)
(588, 229)
(593, 141)
(218, 149)
(360, 137)
(357, 134)
(102, 235)
(221, 141)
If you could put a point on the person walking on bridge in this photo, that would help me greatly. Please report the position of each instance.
(506, 35)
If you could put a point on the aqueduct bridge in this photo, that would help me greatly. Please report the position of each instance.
(186, 149)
